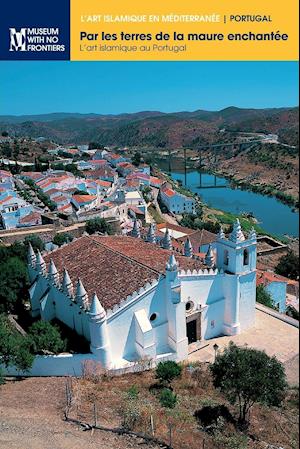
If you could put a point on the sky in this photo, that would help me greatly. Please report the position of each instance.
(117, 87)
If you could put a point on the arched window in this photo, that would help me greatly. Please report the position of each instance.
(246, 257)
(226, 257)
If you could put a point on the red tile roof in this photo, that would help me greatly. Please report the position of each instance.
(156, 181)
(33, 216)
(5, 200)
(114, 266)
(84, 198)
(103, 183)
(169, 192)
(266, 277)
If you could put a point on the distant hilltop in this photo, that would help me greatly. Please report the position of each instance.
(154, 128)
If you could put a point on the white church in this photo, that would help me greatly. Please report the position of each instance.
(133, 298)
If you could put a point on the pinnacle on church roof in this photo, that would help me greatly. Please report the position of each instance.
(237, 235)
(221, 234)
(96, 307)
(52, 272)
(81, 294)
(166, 241)
(67, 284)
(172, 264)
(136, 229)
(151, 234)
(210, 257)
(31, 257)
(252, 234)
(40, 263)
(188, 248)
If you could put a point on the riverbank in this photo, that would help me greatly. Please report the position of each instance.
(218, 209)
(264, 189)
(254, 177)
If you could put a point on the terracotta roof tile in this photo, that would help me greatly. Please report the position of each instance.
(114, 266)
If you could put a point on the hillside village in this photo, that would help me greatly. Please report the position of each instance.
(116, 264)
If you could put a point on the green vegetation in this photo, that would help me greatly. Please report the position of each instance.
(46, 337)
(247, 376)
(15, 350)
(62, 238)
(167, 398)
(263, 297)
(147, 193)
(80, 192)
(13, 274)
(167, 371)
(136, 159)
(95, 146)
(288, 266)
(268, 190)
(98, 225)
(43, 197)
(155, 214)
(72, 168)
(292, 312)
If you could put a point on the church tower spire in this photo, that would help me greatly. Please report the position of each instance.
(188, 248)
(166, 241)
(237, 235)
(151, 234)
(81, 295)
(136, 229)
(221, 234)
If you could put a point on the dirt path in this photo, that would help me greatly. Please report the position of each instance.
(31, 414)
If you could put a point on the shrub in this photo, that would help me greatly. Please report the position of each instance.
(62, 238)
(288, 266)
(167, 398)
(133, 392)
(167, 371)
(46, 337)
(263, 297)
(14, 348)
(98, 225)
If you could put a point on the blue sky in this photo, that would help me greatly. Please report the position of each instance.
(116, 87)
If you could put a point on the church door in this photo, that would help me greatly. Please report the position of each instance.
(191, 331)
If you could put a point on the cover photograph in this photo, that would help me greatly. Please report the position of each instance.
(149, 224)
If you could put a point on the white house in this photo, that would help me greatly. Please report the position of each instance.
(132, 299)
(177, 202)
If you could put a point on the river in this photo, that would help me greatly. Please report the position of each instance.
(272, 215)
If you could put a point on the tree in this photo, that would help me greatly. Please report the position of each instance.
(4, 134)
(14, 348)
(46, 337)
(62, 238)
(288, 266)
(13, 284)
(136, 159)
(264, 297)
(98, 225)
(168, 371)
(95, 146)
(36, 242)
(248, 376)
(167, 398)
